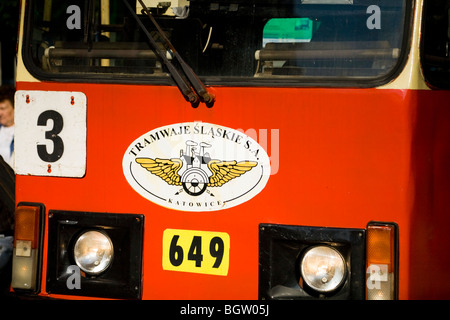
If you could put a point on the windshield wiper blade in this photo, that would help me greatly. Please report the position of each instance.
(193, 89)
(195, 81)
(188, 93)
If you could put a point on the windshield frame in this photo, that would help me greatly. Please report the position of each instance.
(228, 81)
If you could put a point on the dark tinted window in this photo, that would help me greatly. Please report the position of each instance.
(241, 41)
(436, 43)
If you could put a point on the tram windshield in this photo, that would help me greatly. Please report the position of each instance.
(241, 42)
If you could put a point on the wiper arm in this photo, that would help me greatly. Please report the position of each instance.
(195, 81)
(191, 94)
(184, 87)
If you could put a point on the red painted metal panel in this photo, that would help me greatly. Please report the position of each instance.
(340, 158)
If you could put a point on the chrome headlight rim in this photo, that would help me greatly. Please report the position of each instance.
(107, 262)
(336, 283)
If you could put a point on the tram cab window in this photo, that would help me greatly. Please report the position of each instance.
(436, 43)
(237, 42)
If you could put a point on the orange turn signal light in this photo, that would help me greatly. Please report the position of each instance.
(381, 261)
(27, 225)
(380, 245)
(27, 253)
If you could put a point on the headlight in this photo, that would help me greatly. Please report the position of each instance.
(323, 268)
(93, 252)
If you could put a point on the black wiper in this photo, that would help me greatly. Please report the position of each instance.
(193, 90)
(184, 87)
(88, 23)
(196, 83)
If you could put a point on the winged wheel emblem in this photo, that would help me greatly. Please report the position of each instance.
(195, 170)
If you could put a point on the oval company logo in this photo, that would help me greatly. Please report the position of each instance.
(196, 166)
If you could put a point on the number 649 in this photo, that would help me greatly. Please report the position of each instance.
(195, 253)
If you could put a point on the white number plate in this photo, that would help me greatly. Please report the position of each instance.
(50, 133)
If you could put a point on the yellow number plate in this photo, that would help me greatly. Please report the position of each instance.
(196, 251)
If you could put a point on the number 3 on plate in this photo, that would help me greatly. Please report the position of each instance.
(50, 133)
(196, 251)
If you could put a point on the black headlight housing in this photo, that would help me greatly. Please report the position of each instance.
(122, 280)
(281, 248)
